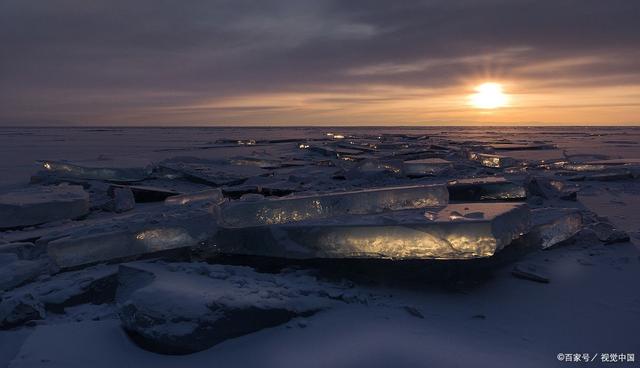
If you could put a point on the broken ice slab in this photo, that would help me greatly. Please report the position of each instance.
(366, 146)
(611, 176)
(457, 231)
(23, 250)
(122, 199)
(182, 308)
(41, 204)
(425, 167)
(335, 135)
(241, 142)
(521, 146)
(211, 172)
(491, 160)
(72, 171)
(538, 157)
(485, 189)
(131, 235)
(299, 208)
(550, 226)
(598, 165)
(374, 168)
(144, 193)
(277, 189)
(265, 163)
(15, 271)
(531, 272)
(213, 196)
(333, 151)
(419, 154)
(615, 162)
(31, 301)
(392, 145)
(551, 188)
(262, 163)
(607, 233)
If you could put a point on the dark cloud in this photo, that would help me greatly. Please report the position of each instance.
(77, 61)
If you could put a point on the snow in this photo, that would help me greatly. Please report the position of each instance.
(519, 328)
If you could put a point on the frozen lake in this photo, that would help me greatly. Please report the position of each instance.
(20, 148)
(88, 202)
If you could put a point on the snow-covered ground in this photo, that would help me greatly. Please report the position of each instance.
(371, 316)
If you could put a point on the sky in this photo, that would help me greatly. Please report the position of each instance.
(320, 62)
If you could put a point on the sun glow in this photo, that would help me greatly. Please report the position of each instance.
(489, 96)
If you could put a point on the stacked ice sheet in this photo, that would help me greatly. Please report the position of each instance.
(456, 231)
(312, 207)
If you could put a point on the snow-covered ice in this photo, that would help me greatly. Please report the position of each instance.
(37, 205)
(182, 308)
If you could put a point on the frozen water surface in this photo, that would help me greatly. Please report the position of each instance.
(317, 246)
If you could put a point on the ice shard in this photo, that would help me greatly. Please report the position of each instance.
(611, 176)
(457, 231)
(41, 204)
(145, 193)
(132, 235)
(334, 151)
(372, 168)
(521, 146)
(485, 189)
(529, 271)
(72, 171)
(551, 188)
(550, 226)
(213, 196)
(299, 208)
(598, 165)
(491, 160)
(15, 271)
(211, 172)
(616, 162)
(264, 162)
(122, 199)
(608, 233)
(425, 167)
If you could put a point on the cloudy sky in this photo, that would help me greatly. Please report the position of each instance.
(322, 62)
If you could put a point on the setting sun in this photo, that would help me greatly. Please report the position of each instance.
(489, 96)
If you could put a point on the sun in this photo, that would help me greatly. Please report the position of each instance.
(489, 96)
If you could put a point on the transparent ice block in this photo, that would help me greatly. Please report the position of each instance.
(299, 208)
(457, 231)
